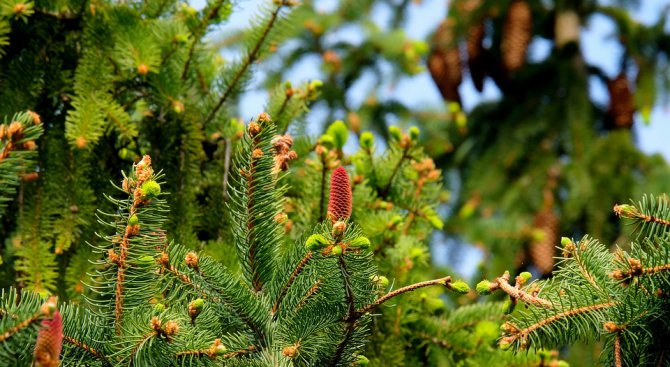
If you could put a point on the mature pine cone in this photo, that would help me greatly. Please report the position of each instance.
(541, 251)
(444, 62)
(339, 201)
(516, 35)
(476, 54)
(622, 105)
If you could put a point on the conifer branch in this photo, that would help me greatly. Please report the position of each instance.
(251, 58)
(445, 344)
(442, 281)
(386, 190)
(639, 271)
(144, 171)
(322, 197)
(240, 352)
(255, 276)
(85, 347)
(502, 282)
(282, 108)
(298, 269)
(629, 211)
(199, 33)
(226, 166)
(309, 294)
(617, 351)
(350, 320)
(21, 325)
(551, 319)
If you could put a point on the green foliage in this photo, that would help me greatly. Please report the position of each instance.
(596, 293)
(156, 302)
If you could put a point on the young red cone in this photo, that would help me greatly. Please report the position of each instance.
(49, 342)
(339, 202)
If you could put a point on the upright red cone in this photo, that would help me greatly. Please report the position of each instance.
(49, 342)
(339, 202)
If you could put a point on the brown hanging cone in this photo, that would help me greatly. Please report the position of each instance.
(542, 250)
(444, 62)
(476, 55)
(516, 35)
(622, 104)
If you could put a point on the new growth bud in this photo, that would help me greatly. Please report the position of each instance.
(360, 242)
(150, 189)
(459, 286)
(316, 242)
(339, 132)
(484, 287)
(366, 140)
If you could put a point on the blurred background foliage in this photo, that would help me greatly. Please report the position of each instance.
(549, 146)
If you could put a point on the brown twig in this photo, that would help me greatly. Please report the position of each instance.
(20, 326)
(556, 317)
(442, 281)
(517, 293)
(617, 351)
(81, 345)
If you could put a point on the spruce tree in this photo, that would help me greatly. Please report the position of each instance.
(619, 296)
(308, 302)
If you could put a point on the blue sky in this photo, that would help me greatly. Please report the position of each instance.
(598, 43)
(599, 47)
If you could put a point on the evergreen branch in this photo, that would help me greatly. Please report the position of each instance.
(240, 352)
(322, 196)
(572, 312)
(121, 261)
(350, 319)
(198, 33)
(502, 283)
(287, 99)
(83, 346)
(226, 166)
(385, 191)
(37, 316)
(349, 293)
(639, 271)
(442, 281)
(446, 345)
(212, 352)
(309, 294)
(617, 351)
(298, 269)
(581, 265)
(251, 58)
(629, 211)
(251, 187)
